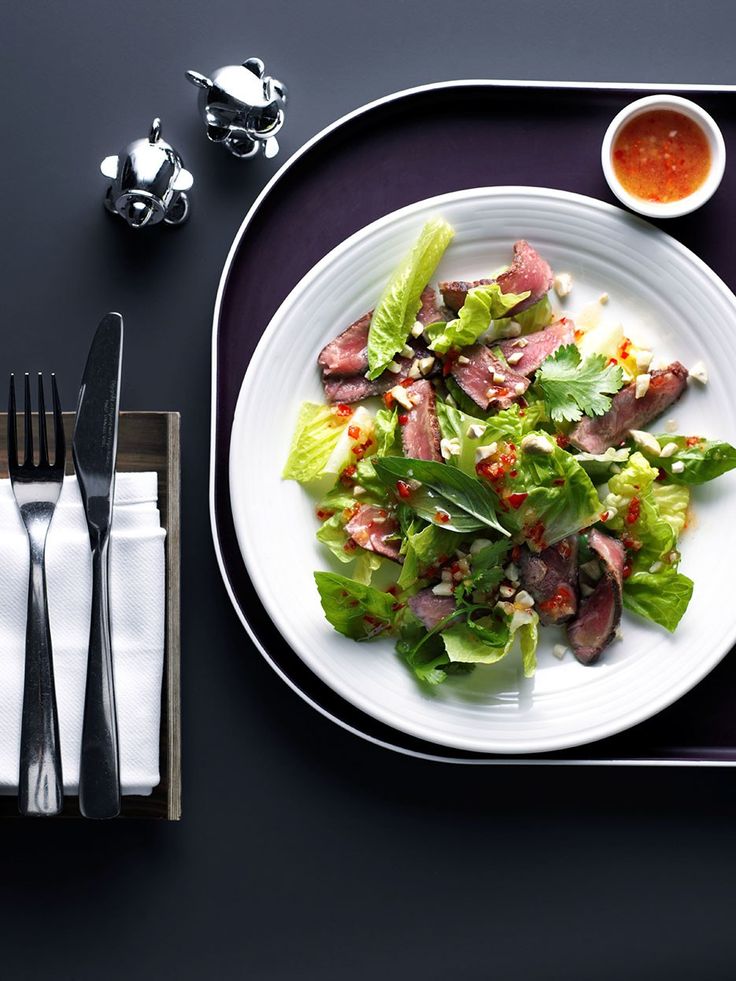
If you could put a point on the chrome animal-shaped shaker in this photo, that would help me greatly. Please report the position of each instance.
(148, 182)
(242, 107)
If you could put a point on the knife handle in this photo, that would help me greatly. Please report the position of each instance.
(99, 770)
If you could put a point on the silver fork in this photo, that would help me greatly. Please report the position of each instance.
(36, 489)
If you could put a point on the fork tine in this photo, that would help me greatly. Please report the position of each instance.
(12, 435)
(28, 462)
(59, 438)
(43, 446)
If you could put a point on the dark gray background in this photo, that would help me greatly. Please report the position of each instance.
(304, 852)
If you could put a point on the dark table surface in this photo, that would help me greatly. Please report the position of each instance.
(304, 852)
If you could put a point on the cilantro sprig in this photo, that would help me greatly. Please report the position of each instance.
(572, 386)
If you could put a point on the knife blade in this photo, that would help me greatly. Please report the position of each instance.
(94, 450)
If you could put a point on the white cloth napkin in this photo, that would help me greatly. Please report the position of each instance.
(137, 603)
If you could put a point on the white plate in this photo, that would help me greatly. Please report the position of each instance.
(665, 296)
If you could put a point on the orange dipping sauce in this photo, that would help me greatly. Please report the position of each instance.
(661, 156)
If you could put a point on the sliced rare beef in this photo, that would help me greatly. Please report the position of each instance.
(534, 348)
(430, 311)
(486, 379)
(420, 434)
(431, 609)
(551, 578)
(348, 353)
(595, 435)
(358, 387)
(373, 528)
(528, 271)
(600, 613)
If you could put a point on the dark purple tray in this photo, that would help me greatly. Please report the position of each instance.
(383, 157)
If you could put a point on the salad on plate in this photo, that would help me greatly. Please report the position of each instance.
(481, 468)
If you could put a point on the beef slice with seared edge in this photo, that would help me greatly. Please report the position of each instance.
(528, 271)
(347, 354)
(420, 434)
(431, 609)
(600, 613)
(373, 528)
(551, 578)
(475, 375)
(595, 435)
(534, 348)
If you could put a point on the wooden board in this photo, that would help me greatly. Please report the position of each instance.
(147, 441)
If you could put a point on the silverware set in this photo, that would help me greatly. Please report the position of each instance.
(36, 486)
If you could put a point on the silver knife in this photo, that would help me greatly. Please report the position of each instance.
(94, 448)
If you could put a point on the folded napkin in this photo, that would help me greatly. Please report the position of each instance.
(137, 603)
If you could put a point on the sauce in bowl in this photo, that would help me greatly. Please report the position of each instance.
(661, 156)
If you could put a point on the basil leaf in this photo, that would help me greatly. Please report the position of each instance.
(467, 503)
(703, 461)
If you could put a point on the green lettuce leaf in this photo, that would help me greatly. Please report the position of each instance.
(318, 429)
(661, 597)
(467, 645)
(703, 461)
(455, 424)
(600, 466)
(396, 311)
(654, 533)
(424, 549)
(483, 304)
(672, 501)
(534, 318)
(354, 609)
(386, 424)
(332, 534)
(467, 503)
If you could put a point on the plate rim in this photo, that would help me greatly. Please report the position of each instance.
(214, 389)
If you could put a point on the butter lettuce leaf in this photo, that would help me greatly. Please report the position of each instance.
(396, 310)
(534, 318)
(672, 502)
(483, 304)
(424, 549)
(661, 597)
(467, 645)
(353, 608)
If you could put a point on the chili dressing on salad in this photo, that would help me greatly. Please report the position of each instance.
(661, 156)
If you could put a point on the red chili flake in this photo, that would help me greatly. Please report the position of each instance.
(558, 482)
(403, 419)
(627, 570)
(612, 361)
(324, 513)
(512, 447)
(522, 413)
(564, 549)
(350, 545)
(693, 440)
(631, 543)
(516, 553)
(661, 474)
(449, 363)
(562, 440)
(442, 516)
(393, 590)
(343, 410)
(403, 489)
(354, 432)
(623, 351)
(633, 511)
(578, 334)
(372, 621)
(346, 477)
(406, 382)
(359, 452)
(397, 606)
(535, 534)
(350, 512)
(388, 400)
(560, 600)
(516, 500)
(513, 473)
(603, 516)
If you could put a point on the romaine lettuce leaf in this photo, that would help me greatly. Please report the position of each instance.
(703, 460)
(399, 304)
(483, 304)
(354, 609)
(318, 430)
(356, 441)
(662, 596)
(386, 423)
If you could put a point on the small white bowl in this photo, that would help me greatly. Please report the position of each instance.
(670, 209)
